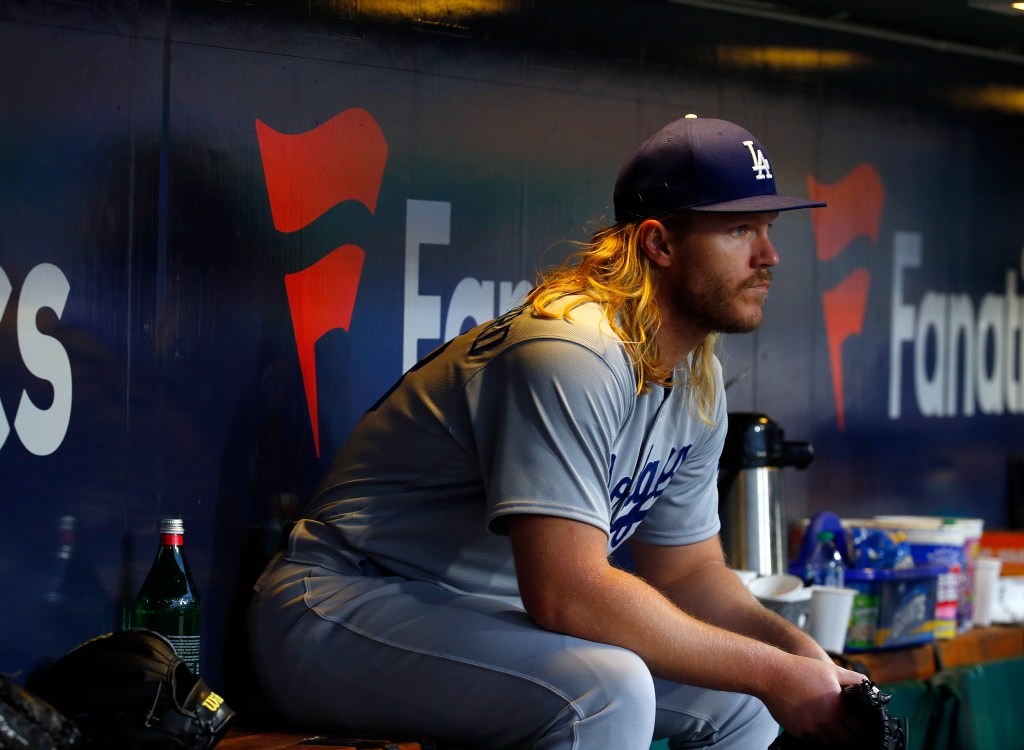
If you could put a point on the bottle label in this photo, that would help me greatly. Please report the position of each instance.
(187, 648)
(172, 540)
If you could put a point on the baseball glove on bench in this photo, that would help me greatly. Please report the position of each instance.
(130, 691)
(868, 704)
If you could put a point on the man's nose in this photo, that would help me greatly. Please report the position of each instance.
(765, 255)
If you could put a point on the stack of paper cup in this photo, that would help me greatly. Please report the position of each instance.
(986, 586)
(829, 619)
(784, 594)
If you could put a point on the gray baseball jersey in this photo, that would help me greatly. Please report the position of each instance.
(520, 415)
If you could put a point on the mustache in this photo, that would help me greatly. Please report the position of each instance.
(761, 276)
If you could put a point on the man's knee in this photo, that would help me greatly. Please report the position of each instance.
(612, 700)
(626, 682)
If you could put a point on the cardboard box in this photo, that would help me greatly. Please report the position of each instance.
(1008, 546)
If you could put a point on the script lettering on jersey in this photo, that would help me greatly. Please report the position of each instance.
(632, 497)
(496, 331)
(491, 336)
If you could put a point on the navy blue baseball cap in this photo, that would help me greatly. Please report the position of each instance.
(699, 164)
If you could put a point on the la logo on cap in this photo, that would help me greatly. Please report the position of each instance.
(761, 165)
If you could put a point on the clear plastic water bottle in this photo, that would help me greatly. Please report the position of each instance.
(825, 566)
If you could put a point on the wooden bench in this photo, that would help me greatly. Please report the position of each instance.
(245, 739)
(239, 739)
(976, 646)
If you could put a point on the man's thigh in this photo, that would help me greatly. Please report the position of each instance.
(390, 654)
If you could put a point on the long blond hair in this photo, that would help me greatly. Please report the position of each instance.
(611, 269)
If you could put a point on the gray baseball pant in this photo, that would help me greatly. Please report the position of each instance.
(384, 654)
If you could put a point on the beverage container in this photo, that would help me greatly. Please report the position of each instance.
(76, 604)
(825, 566)
(168, 601)
(750, 488)
(829, 619)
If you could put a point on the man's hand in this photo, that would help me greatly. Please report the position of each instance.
(864, 723)
(810, 704)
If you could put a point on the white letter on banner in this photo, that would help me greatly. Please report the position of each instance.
(906, 254)
(42, 430)
(426, 223)
(1014, 360)
(990, 331)
(960, 353)
(5, 296)
(472, 300)
(930, 390)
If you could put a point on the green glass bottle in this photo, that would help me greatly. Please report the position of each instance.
(168, 601)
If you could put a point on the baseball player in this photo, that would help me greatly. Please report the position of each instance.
(453, 576)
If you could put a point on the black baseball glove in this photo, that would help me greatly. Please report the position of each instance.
(130, 691)
(879, 730)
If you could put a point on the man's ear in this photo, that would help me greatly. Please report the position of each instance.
(654, 242)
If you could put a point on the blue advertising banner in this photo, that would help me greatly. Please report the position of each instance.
(226, 228)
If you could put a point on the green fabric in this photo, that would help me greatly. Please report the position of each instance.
(981, 705)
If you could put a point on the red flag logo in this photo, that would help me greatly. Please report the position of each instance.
(855, 210)
(307, 174)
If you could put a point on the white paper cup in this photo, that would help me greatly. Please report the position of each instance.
(986, 586)
(747, 576)
(795, 606)
(777, 586)
(829, 619)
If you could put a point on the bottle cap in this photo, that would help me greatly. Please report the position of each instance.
(172, 526)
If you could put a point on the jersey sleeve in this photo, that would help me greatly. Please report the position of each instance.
(544, 431)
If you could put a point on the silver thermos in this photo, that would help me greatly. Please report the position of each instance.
(751, 503)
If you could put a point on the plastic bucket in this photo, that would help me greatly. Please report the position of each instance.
(952, 543)
(895, 608)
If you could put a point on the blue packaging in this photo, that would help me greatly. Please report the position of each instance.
(893, 608)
